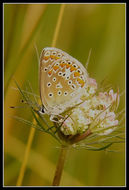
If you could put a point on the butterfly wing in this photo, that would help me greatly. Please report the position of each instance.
(62, 80)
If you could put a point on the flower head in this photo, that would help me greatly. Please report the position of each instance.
(96, 113)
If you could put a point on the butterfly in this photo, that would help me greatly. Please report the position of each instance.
(62, 80)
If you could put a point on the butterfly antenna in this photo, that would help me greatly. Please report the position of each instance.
(22, 101)
(17, 106)
(86, 65)
(32, 92)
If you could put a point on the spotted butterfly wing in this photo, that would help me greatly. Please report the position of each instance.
(62, 80)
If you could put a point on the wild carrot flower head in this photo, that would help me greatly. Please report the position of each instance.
(96, 113)
(95, 117)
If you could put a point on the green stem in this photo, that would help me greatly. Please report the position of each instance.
(60, 166)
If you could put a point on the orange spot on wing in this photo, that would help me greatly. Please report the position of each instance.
(56, 57)
(52, 56)
(62, 64)
(55, 67)
(72, 68)
(46, 57)
(67, 66)
(50, 72)
(81, 82)
(76, 74)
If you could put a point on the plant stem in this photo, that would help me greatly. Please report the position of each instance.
(56, 33)
(32, 130)
(60, 166)
(26, 155)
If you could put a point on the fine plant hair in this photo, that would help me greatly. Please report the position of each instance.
(89, 143)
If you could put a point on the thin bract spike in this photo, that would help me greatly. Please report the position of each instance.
(119, 113)
(93, 123)
(27, 92)
(25, 97)
(105, 87)
(41, 116)
(122, 119)
(93, 148)
(104, 129)
(122, 93)
(27, 89)
(22, 93)
(37, 53)
(32, 92)
(88, 59)
(28, 123)
(47, 131)
(104, 140)
(28, 96)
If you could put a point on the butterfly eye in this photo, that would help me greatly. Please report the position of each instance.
(42, 110)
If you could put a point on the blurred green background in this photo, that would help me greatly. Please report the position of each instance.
(84, 26)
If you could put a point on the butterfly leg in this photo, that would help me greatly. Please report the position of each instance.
(57, 119)
(54, 119)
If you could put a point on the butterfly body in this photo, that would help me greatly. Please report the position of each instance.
(63, 80)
